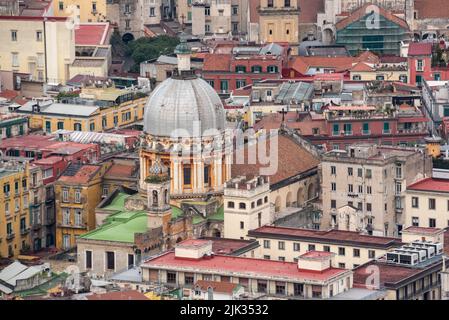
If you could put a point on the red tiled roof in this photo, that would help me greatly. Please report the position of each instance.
(432, 9)
(389, 274)
(362, 11)
(217, 286)
(333, 236)
(120, 170)
(427, 230)
(217, 62)
(303, 64)
(48, 161)
(420, 49)
(292, 159)
(392, 59)
(368, 57)
(119, 295)
(9, 94)
(430, 184)
(83, 175)
(255, 267)
(361, 67)
(30, 142)
(92, 33)
(227, 246)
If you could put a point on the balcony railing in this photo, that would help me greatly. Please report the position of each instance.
(366, 132)
(24, 231)
(386, 131)
(10, 236)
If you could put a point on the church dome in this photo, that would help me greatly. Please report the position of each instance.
(183, 102)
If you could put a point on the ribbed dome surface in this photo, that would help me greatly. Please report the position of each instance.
(178, 103)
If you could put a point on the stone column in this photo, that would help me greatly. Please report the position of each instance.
(176, 181)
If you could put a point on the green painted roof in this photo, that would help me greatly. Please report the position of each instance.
(118, 203)
(176, 212)
(219, 215)
(120, 228)
(197, 219)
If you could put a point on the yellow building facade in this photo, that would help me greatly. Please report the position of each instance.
(86, 118)
(14, 210)
(77, 192)
(279, 21)
(82, 10)
(42, 49)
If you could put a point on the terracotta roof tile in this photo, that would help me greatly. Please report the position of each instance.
(303, 64)
(420, 49)
(92, 34)
(292, 159)
(217, 62)
(361, 67)
(223, 287)
(255, 267)
(83, 175)
(430, 184)
(327, 236)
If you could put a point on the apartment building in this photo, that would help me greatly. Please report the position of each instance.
(370, 179)
(211, 17)
(42, 47)
(77, 193)
(351, 249)
(114, 110)
(427, 203)
(313, 276)
(14, 214)
(12, 124)
(82, 10)
(246, 206)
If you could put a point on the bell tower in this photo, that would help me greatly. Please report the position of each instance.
(158, 195)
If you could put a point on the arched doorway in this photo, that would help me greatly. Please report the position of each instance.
(300, 197)
(288, 202)
(178, 240)
(311, 191)
(277, 204)
(127, 37)
(216, 233)
(328, 36)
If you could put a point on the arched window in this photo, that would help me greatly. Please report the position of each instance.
(155, 200)
(256, 69)
(230, 204)
(259, 202)
(166, 196)
(265, 200)
(242, 205)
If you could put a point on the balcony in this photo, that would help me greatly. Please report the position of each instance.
(386, 131)
(10, 236)
(366, 132)
(36, 226)
(348, 133)
(24, 231)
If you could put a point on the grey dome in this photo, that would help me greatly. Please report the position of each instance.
(178, 103)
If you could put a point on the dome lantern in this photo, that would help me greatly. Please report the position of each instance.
(183, 52)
